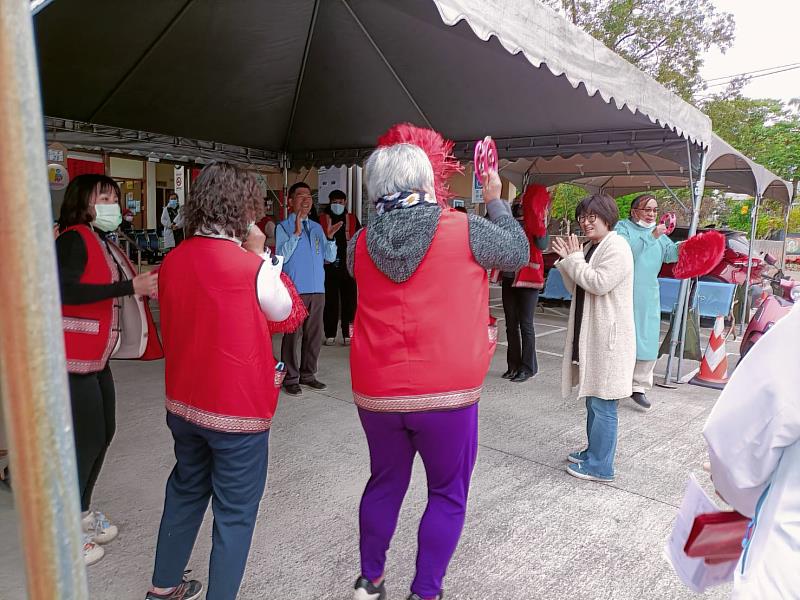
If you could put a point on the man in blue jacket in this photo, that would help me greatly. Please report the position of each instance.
(305, 248)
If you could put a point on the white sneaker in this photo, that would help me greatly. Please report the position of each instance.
(346, 341)
(98, 527)
(330, 341)
(92, 553)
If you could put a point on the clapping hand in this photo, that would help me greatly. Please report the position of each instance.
(566, 246)
(331, 231)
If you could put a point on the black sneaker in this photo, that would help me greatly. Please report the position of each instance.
(523, 376)
(509, 374)
(314, 384)
(187, 590)
(366, 590)
(641, 400)
(293, 389)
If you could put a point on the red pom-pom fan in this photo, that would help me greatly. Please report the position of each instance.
(298, 314)
(535, 206)
(438, 149)
(698, 255)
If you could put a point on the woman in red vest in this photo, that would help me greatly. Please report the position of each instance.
(219, 301)
(105, 315)
(521, 289)
(421, 345)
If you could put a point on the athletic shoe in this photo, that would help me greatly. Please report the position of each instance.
(98, 527)
(579, 471)
(509, 374)
(92, 552)
(314, 384)
(417, 597)
(346, 341)
(366, 590)
(641, 400)
(186, 590)
(330, 341)
(293, 389)
(577, 458)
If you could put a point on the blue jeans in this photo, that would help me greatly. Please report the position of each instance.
(230, 469)
(601, 431)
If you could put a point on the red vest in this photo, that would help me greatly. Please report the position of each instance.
(349, 224)
(422, 344)
(220, 372)
(90, 330)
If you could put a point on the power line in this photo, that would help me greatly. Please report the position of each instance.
(755, 71)
(755, 76)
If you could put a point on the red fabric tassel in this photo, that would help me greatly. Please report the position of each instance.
(698, 255)
(298, 314)
(438, 149)
(535, 205)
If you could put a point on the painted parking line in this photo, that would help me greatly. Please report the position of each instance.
(559, 330)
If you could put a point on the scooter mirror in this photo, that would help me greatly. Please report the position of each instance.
(770, 260)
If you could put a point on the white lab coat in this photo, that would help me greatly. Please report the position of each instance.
(753, 436)
(168, 234)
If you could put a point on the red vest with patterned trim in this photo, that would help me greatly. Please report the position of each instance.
(349, 224)
(220, 372)
(422, 344)
(91, 330)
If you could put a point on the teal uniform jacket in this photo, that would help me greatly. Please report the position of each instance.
(649, 254)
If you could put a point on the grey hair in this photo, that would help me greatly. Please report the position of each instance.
(398, 168)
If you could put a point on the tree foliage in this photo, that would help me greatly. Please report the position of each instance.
(665, 38)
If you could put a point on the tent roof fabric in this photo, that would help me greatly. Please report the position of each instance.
(321, 79)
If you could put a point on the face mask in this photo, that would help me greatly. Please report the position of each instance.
(109, 217)
(337, 209)
(172, 203)
(646, 225)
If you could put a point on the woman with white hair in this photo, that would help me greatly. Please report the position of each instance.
(421, 346)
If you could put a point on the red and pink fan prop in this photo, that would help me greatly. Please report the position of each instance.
(670, 221)
(485, 157)
(698, 255)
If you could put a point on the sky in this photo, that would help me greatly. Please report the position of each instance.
(767, 35)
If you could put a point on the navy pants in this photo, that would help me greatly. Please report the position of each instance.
(231, 470)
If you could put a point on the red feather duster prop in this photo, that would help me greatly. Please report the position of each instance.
(698, 255)
(535, 206)
(298, 314)
(438, 149)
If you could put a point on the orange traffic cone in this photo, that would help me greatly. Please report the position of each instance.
(714, 366)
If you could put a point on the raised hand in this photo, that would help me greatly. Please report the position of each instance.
(333, 229)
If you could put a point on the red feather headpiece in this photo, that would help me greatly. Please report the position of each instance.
(698, 255)
(438, 149)
(535, 206)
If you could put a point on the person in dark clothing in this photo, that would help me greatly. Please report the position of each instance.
(340, 288)
(92, 281)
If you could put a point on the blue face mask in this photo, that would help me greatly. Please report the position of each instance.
(172, 203)
(337, 209)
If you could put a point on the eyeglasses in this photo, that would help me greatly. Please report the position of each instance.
(650, 211)
(587, 218)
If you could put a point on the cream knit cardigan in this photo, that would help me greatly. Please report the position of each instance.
(607, 350)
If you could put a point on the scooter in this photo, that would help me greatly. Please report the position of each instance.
(778, 295)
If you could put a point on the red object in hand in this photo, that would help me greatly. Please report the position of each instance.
(670, 221)
(485, 157)
(717, 537)
(698, 255)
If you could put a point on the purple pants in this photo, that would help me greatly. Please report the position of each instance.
(447, 441)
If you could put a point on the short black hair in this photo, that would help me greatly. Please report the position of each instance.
(75, 208)
(603, 205)
(297, 186)
(337, 195)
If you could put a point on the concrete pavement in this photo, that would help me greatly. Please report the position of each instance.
(532, 531)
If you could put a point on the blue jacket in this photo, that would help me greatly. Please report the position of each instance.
(304, 255)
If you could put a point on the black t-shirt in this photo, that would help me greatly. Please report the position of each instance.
(72, 258)
(580, 298)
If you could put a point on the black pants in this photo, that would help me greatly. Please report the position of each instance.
(94, 423)
(519, 304)
(340, 300)
(231, 470)
(310, 336)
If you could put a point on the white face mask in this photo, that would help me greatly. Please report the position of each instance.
(109, 217)
(337, 209)
(646, 225)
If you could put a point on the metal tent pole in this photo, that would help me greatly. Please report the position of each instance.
(743, 315)
(786, 224)
(33, 374)
(679, 322)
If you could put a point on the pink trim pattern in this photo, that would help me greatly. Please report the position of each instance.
(80, 325)
(493, 334)
(424, 402)
(209, 420)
